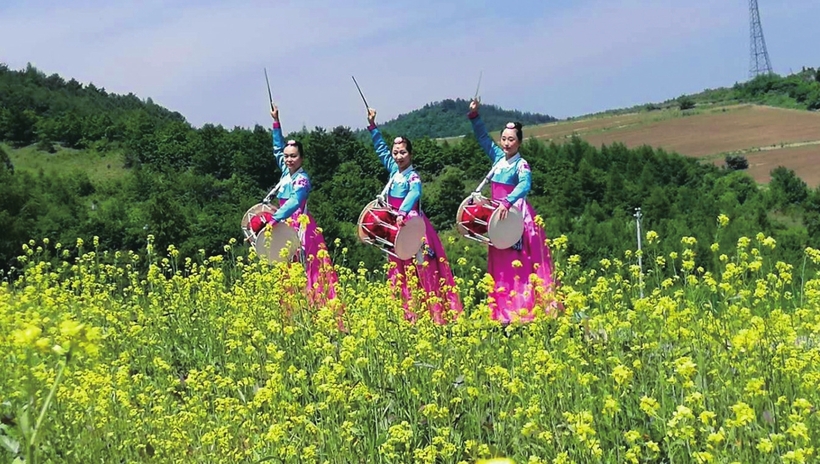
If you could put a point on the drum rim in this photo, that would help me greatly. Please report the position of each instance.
(359, 230)
(463, 230)
(254, 210)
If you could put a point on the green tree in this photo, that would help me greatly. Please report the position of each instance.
(685, 102)
(786, 187)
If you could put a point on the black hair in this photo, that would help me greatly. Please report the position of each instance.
(406, 143)
(298, 146)
(518, 131)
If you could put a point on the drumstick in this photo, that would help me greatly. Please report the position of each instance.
(360, 93)
(270, 97)
(479, 85)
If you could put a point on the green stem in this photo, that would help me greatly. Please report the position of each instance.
(43, 410)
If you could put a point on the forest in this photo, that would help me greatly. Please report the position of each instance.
(446, 119)
(189, 187)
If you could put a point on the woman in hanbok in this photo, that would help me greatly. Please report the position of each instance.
(430, 268)
(293, 189)
(522, 274)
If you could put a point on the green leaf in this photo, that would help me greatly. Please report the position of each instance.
(25, 425)
(10, 444)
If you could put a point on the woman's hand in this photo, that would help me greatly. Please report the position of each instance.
(274, 112)
(474, 105)
(371, 116)
(502, 211)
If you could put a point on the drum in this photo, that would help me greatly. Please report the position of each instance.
(282, 236)
(478, 219)
(377, 226)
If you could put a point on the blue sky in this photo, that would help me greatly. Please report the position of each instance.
(565, 58)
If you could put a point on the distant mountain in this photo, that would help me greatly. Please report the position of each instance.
(448, 118)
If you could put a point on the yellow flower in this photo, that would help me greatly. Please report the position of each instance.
(632, 436)
(723, 220)
(611, 406)
(27, 335)
(621, 374)
(744, 415)
(649, 406)
(765, 446)
(691, 241)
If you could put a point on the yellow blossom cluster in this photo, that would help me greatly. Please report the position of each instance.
(152, 358)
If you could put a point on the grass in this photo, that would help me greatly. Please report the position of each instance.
(99, 166)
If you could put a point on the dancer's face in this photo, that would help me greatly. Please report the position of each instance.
(509, 142)
(401, 156)
(293, 160)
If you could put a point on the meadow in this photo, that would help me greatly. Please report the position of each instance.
(110, 357)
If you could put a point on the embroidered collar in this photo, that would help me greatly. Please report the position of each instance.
(504, 163)
(286, 178)
(395, 176)
(404, 173)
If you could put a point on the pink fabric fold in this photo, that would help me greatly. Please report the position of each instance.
(523, 274)
(436, 291)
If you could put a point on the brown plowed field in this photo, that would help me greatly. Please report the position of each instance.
(805, 161)
(710, 133)
(757, 132)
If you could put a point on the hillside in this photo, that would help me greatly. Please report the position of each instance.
(768, 137)
(35, 107)
(151, 174)
(771, 121)
(446, 119)
(799, 91)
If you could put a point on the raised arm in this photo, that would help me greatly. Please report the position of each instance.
(278, 139)
(522, 188)
(480, 130)
(299, 194)
(379, 144)
(413, 195)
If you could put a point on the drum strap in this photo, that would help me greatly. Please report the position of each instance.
(383, 196)
(501, 164)
(282, 181)
(286, 177)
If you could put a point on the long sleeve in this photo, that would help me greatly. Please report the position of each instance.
(279, 145)
(522, 188)
(480, 130)
(382, 150)
(413, 194)
(299, 194)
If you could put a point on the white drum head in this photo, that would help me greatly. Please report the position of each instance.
(281, 236)
(506, 233)
(409, 238)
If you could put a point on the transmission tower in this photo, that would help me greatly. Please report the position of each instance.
(759, 57)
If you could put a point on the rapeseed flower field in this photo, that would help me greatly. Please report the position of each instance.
(119, 357)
